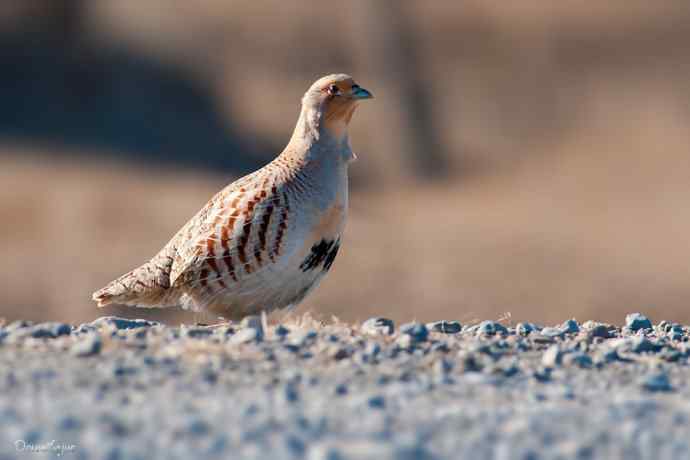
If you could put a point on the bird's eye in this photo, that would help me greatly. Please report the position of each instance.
(333, 90)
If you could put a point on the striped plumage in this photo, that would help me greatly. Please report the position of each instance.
(265, 241)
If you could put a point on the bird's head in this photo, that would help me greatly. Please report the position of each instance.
(330, 102)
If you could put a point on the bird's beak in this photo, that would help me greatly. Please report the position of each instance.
(361, 93)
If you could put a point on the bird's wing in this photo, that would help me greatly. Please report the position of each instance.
(233, 236)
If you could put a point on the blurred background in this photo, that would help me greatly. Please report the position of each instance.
(530, 158)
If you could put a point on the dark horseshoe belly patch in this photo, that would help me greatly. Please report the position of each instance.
(322, 255)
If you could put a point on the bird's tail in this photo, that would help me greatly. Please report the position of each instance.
(146, 286)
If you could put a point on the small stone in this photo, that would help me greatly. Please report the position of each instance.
(643, 345)
(417, 331)
(333, 338)
(675, 336)
(542, 375)
(372, 349)
(69, 423)
(442, 367)
(244, 336)
(610, 356)
(49, 330)
(445, 327)
(32, 436)
(254, 322)
(674, 332)
(121, 370)
(570, 327)
(122, 323)
(199, 333)
(510, 370)
(637, 321)
(469, 361)
(141, 334)
(378, 326)
(281, 331)
(85, 328)
(552, 357)
(341, 353)
(223, 332)
(491, 328)
(368, 353)
(295, 446)
(552, 332)
(524, 328)
(406, 342)
(600, 330)
(303, 338)
(198, 427)
(217, 447)
(441, 347)
(210, 376)
(291, 392)
(377, 402)
(670, 355)
(20, 324)
(657, 383)
(89, 346)
(540, 339)
(579, 359)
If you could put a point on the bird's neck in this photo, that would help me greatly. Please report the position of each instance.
(317, 139)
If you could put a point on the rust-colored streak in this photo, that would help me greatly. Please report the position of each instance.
(203, 277)
(224, 235)
(211, 254)
(235, 202)
(229, 227)
(251, 204)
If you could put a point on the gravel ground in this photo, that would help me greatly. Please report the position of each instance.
(133, 389)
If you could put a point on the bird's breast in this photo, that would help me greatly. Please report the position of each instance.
(322, 225)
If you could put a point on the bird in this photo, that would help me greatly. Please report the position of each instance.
(265, 241)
